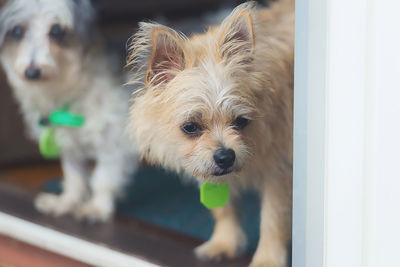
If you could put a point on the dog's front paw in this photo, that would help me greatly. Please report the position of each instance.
(222, 248)
(269, 258)
(95, 210)
(266, 263)
(213, 250)
(52, 204)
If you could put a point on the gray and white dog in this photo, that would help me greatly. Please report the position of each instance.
(51, 56)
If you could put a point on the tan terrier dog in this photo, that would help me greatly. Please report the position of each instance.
(218, 106)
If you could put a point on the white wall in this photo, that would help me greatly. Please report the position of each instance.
(383, 161)
(347, 130)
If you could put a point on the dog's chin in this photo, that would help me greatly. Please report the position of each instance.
(39, 82)
(222, 172)
(219, 175)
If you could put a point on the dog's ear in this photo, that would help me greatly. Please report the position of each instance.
(2, 3)
(167, 57)
(3, 28)
(155, 53)
(98, 4)
(84, 15)
(237, 35)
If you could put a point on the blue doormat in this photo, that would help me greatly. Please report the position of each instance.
(163, 199)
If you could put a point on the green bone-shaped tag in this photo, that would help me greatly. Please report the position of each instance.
(214, 195)
(48, 145)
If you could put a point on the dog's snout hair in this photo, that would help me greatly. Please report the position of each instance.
(225, 136)
(35, 53)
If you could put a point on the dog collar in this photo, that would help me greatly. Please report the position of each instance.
(48, 146)
(62, 117)
(214, 195)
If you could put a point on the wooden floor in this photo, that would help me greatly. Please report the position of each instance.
(29, 177)
(14, 253)
(18, 186)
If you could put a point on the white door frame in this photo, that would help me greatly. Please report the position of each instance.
(309, 133)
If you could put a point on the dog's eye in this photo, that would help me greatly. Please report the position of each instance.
(57, 33)
(191, 128)
(240, 122)
(17, 33)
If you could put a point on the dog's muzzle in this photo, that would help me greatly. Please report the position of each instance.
(33, 73)
(224, 159)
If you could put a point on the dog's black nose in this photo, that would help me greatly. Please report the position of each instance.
(224, 158)
(33, 73)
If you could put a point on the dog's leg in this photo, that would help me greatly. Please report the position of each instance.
(228, 238)
(274, 228)
(74, 189)
(110, 174)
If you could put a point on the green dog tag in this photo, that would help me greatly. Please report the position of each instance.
(214, 195)
(48, 145)
(65, 118)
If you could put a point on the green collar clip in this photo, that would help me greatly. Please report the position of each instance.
(63, 117)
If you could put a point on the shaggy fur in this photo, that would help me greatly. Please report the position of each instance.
(74, 70)
(241, 69)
